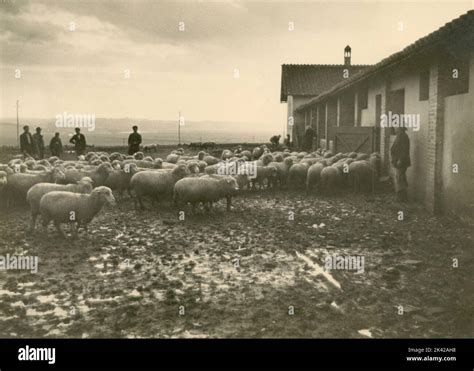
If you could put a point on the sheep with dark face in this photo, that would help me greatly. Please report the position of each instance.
(73, 208)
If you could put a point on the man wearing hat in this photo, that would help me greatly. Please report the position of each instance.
(38, 144)
(56, 146)
(134, 141)
(26, 142)
(79, 141)
(400, 158)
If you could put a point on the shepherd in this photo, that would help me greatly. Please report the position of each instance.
(400, 156)
(134, 141)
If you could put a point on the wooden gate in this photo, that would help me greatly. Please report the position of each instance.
(353, 139)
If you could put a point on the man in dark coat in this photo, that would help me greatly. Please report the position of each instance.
(79, 141)
(134, 141)
(38, 144)
(400, 158)
(26, 142)
(56, 146)
(309, 136)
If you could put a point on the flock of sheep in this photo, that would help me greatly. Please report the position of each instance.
(73, 192)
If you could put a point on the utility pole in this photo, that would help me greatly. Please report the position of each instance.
(179, 129)
(17, 126)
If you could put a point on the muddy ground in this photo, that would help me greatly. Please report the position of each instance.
(251, 272)
(135, 272)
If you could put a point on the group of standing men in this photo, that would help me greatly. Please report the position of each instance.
(32, 145)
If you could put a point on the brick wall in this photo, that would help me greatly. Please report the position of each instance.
(434, 181)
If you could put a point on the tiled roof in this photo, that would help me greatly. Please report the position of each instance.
(312, 79)
(456, 30)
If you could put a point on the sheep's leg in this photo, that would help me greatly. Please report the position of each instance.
(45, 225)
(33, 222)
(129, 191)
(229, 202)
(74, 230)
(140, 202)
(58, 227)
(207, 206)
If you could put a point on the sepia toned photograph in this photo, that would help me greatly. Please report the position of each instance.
(236, 169)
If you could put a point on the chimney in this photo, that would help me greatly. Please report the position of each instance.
(347, 56)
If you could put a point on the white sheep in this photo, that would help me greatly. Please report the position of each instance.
(205, 189)
(297, 175)
(156, 183)
(283, 169)
(119, 180)
(67, 207)
(313, 177)
(18, 184)
(265, 174)
(97, 174)
(36, 192)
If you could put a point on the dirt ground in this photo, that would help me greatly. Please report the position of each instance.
(251, 272)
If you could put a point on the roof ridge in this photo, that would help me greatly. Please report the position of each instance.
(433, 37)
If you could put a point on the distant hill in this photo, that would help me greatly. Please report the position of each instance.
(109, 131)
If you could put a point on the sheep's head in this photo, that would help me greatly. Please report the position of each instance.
(30, 164)
(116, 165)
(158, 163)
(115, 156)
(201, 155)
(231, 184)
(105, 194)
(58, 175)
(181, 170)
(267, 158)
(105, 168)
(87, 184)
(273, 171)
(139, 155)
(193, 167)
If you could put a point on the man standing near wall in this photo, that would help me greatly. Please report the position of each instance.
(400, 157)
(309, 136)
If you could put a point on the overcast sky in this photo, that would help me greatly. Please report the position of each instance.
(83, 71)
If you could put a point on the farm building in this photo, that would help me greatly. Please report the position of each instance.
(431, 83)
(302, 82)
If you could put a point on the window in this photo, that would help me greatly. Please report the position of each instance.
(456, 74)
(425, 85)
